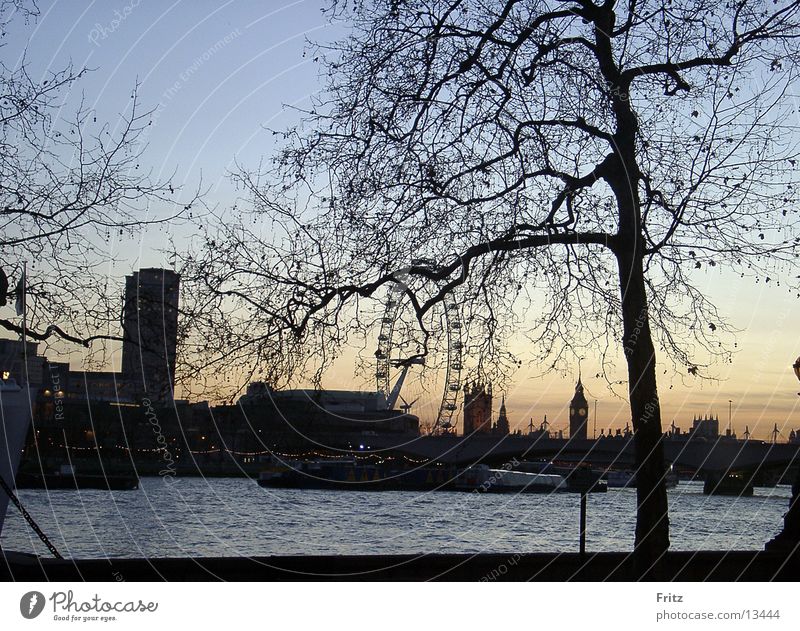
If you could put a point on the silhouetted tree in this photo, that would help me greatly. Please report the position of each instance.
(584, 157)
(66, 188)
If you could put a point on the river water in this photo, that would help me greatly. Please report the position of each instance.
(234, 516)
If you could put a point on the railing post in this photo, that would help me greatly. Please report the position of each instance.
(583, 524)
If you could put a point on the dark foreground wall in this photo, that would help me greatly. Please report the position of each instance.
(613, 566)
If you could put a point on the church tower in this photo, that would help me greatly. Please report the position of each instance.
(477, 409)
(578, 413)
(502, 426)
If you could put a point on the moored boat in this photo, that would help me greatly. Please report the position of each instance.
(67, 479)
(15, 405)
(736, 484)
(348, 475)
(579, 478)
(623, 479)
(485, 480)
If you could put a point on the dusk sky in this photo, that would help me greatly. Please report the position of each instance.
(218, 75)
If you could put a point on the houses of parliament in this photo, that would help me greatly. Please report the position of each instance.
(478, 413)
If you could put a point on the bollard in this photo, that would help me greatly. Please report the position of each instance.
(583, 525)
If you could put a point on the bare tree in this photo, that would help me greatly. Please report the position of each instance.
(581, 158)
(66, 188)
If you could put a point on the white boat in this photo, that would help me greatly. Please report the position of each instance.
(485, 480)
(627, 479)
(15, 411)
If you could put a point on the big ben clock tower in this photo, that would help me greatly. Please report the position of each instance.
(578, 413)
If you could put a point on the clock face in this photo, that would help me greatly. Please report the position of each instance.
(582, 412)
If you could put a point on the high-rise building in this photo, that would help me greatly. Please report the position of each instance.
(150, 332)
(477, 409)
(578, 413)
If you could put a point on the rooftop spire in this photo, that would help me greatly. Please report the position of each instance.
(579, 397)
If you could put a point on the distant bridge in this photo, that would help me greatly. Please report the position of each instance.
(697, 453)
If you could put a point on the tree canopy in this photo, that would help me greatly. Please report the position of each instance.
(581, 157)
(471, 133)
(68, 185)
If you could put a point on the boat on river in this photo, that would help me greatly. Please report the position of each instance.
(15, 404)
(626, 479)
(736, 484)
(66, 478)
(349, 475)
(482, 479)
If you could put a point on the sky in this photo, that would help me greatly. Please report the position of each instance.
(216, 74)
(220, 75)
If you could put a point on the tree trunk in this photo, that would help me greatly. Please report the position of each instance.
(652, 521)
(622, 174)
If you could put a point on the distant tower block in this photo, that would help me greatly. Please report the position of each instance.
(150, 330)
(477, 408)
(502, 419)
(578, 413)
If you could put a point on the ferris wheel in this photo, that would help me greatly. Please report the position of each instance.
(395, 352)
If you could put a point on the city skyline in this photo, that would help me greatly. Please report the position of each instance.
(403, 289)
(188, 83)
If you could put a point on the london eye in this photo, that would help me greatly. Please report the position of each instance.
(399, 352)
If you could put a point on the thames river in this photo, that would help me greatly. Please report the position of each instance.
(234, 516)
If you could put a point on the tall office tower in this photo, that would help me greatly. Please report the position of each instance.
(150, 333)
